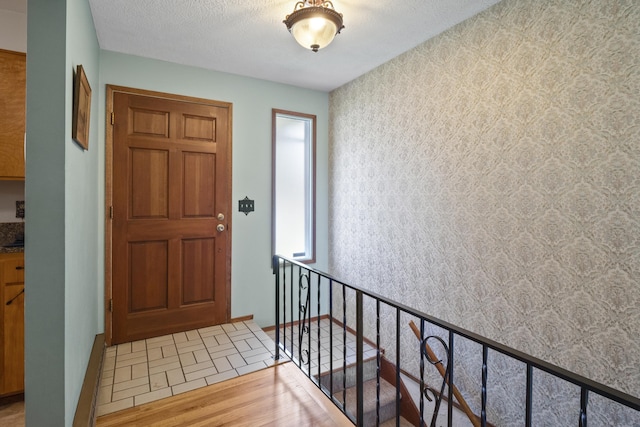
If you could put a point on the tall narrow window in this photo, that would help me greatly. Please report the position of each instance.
(294, 185)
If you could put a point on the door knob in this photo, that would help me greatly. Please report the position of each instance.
(220, 216)
(220, 227)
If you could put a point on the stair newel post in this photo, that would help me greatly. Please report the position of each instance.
(359, 359)
(276, 270)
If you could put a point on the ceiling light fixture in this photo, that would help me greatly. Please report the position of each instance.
(314, 23)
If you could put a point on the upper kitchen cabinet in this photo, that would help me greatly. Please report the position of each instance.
(13, 83)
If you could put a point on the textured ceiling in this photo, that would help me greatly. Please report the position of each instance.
(248, 37)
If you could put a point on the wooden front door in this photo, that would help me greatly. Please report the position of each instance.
(171, 208)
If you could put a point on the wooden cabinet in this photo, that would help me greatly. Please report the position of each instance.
(12, 323)
(13, 85)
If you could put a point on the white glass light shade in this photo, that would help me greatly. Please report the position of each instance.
(314, 27)
(314, 32)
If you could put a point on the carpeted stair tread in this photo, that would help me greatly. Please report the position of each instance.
(392, 423)
(369, 368)
(387, 401)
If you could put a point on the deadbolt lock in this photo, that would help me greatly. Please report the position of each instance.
(220, 216)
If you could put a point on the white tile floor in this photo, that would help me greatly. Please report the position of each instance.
(143, 371)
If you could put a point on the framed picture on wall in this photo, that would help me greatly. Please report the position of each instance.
(81, 108)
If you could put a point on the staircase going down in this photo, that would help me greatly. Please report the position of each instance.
(388, 407)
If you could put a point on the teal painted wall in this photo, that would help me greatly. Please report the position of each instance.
(61, 249)
(83, 219)
(252, 280)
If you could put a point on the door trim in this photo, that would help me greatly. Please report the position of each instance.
(108, 229)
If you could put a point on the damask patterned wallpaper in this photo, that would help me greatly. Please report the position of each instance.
(491, 178)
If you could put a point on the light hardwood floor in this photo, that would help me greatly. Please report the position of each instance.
(277, 396)
(12, 414)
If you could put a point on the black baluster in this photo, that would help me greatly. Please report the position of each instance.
(421, 374)
(284, 306)
(432, 359)
(584, 400)
(377, 362)
(450, 380)
(291, 310)
(359, 358)
(308, 308)
(483, 411)
(331, 338)
(344, 345)
(397, 367)
(319, 328)
(529, 396)
(300, 321)
(276, 270)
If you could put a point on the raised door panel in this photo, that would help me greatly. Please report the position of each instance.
(148, 267)
(198, 271)
(199, 184)
(149, 194)
(199, 128)
(148, 123)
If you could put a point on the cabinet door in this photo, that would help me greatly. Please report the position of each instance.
(12, 114)
(13, 339)
(13, 325)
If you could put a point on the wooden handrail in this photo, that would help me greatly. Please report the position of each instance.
(475, 420)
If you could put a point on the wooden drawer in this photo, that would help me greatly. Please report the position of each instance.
(13, 270)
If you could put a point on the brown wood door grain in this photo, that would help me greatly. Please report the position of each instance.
(171, 182)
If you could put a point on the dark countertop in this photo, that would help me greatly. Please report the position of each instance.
(11, 232)
(14, 250)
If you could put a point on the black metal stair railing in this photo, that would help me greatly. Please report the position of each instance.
(305, 296)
